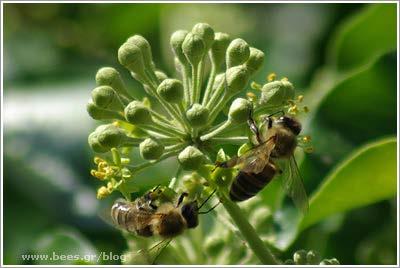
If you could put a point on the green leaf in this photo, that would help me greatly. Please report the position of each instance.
(65, 246)
(365, 37)
(366, 177)
(363, 106)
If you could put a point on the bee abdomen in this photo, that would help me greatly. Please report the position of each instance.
(247, 185)
(125, 217)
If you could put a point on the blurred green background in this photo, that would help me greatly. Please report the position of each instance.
(341, 56)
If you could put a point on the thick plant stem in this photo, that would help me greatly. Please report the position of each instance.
(248, 232)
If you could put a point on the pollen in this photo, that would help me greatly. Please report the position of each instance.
(255, 86)
(271, 77)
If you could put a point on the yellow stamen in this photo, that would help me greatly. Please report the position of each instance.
(300, 98)
(255, 86)
(271, 77)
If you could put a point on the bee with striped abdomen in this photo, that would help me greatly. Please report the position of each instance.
(258, 166)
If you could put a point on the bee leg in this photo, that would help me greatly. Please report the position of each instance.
(253, 127)
(180, 199)
(211, 209)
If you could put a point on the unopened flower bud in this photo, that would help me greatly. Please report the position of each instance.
(94, 143)
(171, 90)
(106, 98)
(240, 110)
(176, 42)
(300, 257)
(289, 262)
(137, 114)
(313, 257)
(130, 56)
(191, 158)
(101, 114)
(236, 78)
(108, 76)
(197, 115)
(151, 149)
(218, 48)
(110, 136)
(205, 32)
(255, 60)
(237, 53)
(194, 48)
(277, 93)
(161, 76)
(144, 47)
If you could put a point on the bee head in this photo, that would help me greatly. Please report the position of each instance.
(190, 214)
(289, 123)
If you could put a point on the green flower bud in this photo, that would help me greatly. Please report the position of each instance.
(289, 262)
(137, 114)
(194, 48)
(325, 262)
(240, 110)
(277, 93)
(300, 257)
(334, 261)
(237, 53)
(101, 114)
(191, 158)
(197, 115)
(176, 42)
(94, 143)
(161, 76)
(110, 136)
(218, 48)
(205, 32)
(151, 149)
(313, 257)
(108, 76)
(237, 78)
(218, 80)
(255, 60)
(145, 48)
(130, 56)
(171, 90)
(105, 97)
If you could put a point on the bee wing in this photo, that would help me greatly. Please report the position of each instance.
(256, 159)
(293, 185)
(150, 255)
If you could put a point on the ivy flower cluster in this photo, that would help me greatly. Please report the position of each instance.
(189, 124)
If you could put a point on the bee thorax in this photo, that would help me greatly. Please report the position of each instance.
(169, 225)
(285, 143)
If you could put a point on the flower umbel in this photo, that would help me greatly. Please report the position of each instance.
(189, 117)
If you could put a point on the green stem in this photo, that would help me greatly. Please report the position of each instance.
(219, 107)
(195, 84)
(157, 127)
(229, 140)
(248, 232)
(200, 75)
(137, 168)
(216, 131)
(210, 84)
(186, 83)
(215, 95)
(172, 112)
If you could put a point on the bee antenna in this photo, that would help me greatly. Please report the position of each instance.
(205, 201)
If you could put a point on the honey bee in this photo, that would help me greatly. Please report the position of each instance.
(143, 218)
(258, 167)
